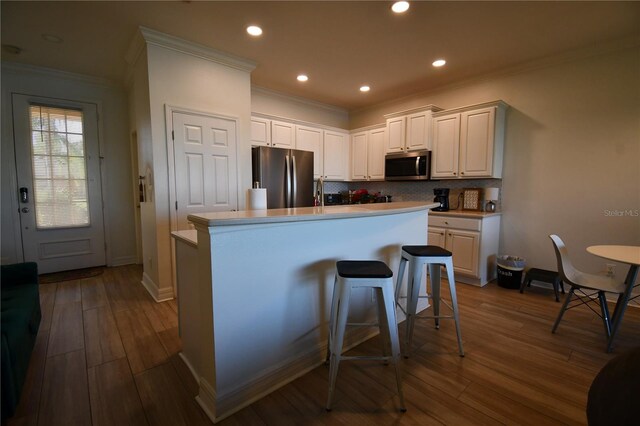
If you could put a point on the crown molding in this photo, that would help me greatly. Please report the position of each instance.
(152, 37)
(297, 99)
(429, 107)
(21, 69)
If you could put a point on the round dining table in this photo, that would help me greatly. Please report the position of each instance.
(623, 254)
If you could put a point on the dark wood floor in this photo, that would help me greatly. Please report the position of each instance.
(106, 354)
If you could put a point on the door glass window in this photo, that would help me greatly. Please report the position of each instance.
(59, 167)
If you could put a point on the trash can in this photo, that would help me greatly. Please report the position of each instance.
(510, 271)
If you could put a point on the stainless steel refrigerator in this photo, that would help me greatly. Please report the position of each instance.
(286, 173)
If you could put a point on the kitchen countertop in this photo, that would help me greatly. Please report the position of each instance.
(249, 217)
(465, 213)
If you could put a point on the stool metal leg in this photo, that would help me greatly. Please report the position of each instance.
(413, 291)
(332, 316)
(454, 302)
(434, 273)
(383, 322)
(340, 322)
(401, 268)
(392, 329)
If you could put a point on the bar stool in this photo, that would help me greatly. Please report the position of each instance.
(433, 257)
(352, 274)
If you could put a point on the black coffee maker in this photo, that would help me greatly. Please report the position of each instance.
(441, 197)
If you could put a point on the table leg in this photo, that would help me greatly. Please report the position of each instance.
(621, 304)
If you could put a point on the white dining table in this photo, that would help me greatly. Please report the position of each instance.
(623, 254)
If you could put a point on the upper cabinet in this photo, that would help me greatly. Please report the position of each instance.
(335, 155)
(266, 132)
(468, 142)
(410, 130)
(311, 139)
(367, 154)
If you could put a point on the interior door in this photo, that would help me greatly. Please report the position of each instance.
(59, 186)
(205, 165)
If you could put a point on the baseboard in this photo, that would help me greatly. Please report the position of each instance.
(220, 407)
(159, 295)
(123, 260)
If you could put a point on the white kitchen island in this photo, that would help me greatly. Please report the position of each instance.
(254, 290)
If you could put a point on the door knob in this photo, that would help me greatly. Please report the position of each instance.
(25, 210)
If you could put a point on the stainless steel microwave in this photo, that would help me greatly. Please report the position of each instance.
(408, 166)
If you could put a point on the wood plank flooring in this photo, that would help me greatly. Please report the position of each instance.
(106, 354)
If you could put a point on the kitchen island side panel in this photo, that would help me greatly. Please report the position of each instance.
(271, 287)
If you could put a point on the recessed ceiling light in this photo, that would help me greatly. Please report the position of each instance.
(439, 63)
(51, 38)
(254, 30)
(302, 77)
(365, 88)
(400, 6)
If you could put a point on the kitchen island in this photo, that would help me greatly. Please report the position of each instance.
(254, 291)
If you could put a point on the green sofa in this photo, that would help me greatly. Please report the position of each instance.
(20, 310)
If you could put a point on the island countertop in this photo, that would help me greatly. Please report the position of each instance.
(249, 217)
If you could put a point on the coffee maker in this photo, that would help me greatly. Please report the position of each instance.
(441, 197)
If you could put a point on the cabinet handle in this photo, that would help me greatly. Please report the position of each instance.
(461, 173)
(446, 223)
(454, 173)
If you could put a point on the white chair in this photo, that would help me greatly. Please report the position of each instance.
(581, 281)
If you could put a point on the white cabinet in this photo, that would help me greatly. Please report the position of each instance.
(283, 134)
(335, 155)
(311, 139)
(260, 131)
(266, 132)
(468, 142)
(473, 241)
(410, 130)
(367, 154)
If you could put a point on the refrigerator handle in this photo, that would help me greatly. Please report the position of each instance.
(295, 182)
(288, 193)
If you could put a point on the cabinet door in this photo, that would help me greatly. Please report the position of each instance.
(436, 237)
(446, 142)
(476, 142)
(310, 139)
(282, 134)
(359, 143)
(375, 154)
(465, 246)
(418, 131)
(260, 131)
(334, 158)
(395, 134)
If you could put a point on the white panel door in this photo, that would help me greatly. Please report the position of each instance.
(446, 143)
(375, 154)
(476, 142)
(310, 139)
(205, 165)
(418, 131)
(436, 237)
(59, 185)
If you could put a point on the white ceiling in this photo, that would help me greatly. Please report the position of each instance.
(340, 45)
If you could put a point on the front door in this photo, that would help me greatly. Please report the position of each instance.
(205, 165)
(59, 186)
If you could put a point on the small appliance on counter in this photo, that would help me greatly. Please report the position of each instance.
(441, 197)
(332, 199)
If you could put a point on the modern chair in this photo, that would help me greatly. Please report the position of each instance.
(581, 283)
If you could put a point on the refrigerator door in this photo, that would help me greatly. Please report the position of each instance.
(302, 182)
(270, 169)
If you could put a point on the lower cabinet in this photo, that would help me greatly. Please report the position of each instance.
(473, 241)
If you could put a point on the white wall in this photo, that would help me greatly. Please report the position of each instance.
(191, 82)
(279, 105)
(572, 152)
(114, 145)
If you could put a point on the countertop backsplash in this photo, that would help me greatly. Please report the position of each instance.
(418, 191)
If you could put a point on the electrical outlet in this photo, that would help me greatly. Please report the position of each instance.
(611, 270)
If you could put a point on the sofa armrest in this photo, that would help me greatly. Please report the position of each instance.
(19, 273)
